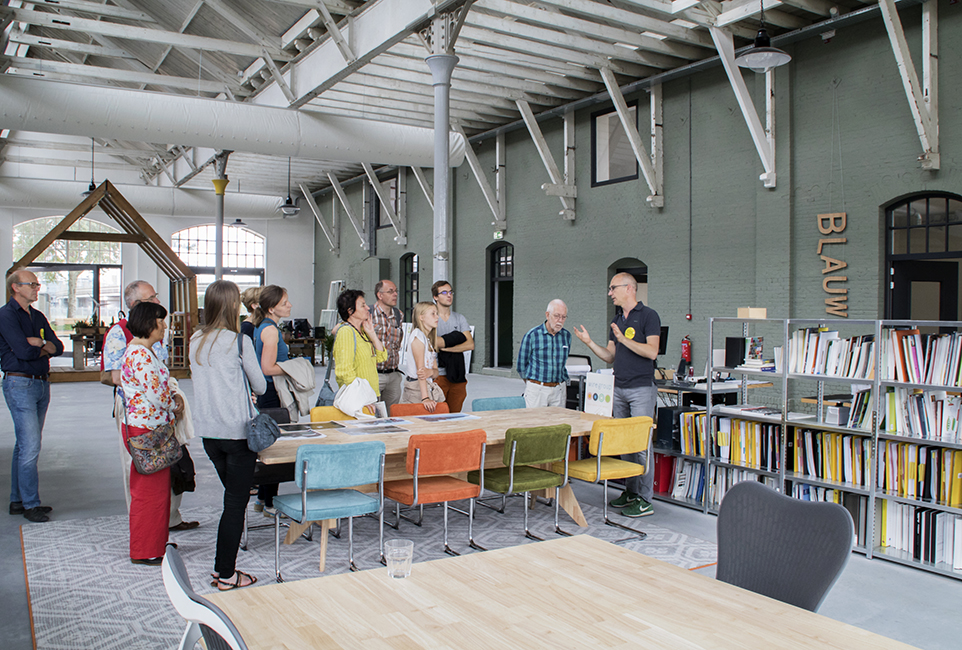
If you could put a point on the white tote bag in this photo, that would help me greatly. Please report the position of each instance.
(352, 398)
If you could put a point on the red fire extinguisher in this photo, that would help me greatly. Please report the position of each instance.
(686, 348)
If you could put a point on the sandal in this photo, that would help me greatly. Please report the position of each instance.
(237, 581)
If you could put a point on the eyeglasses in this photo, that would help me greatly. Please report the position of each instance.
(615, 286)
(389, 291)
(35, 285)
(446, 293)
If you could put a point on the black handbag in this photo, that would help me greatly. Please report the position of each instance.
(262, 430)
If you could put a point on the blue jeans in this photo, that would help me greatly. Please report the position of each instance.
(630, 403)
(27, 399)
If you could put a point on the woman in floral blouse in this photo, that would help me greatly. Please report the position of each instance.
(150, 404)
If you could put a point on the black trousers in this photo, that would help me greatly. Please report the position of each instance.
(267, 491)
(234, 463)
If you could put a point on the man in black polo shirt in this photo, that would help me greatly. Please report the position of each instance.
(26, 344)
(632, 346)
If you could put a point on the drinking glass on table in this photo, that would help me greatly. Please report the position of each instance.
(399, 553)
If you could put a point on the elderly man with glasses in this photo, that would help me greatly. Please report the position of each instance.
(388, 320)
(26, 344)
(632, 347)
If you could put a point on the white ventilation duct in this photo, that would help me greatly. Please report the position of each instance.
(62, 196)
(46, 106)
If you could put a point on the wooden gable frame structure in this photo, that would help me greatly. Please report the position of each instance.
(183, 283)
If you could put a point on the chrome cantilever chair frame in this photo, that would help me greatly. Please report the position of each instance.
(470, 512)
(557, 527)
(350, 523)
(638, 534)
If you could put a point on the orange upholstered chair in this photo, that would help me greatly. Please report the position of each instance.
(400, 410)
(431, 458)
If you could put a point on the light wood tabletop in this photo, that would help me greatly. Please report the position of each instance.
(575, 592)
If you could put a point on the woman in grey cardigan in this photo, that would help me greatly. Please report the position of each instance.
(221, 411)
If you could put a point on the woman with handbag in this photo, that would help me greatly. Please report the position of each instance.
(224, 369)
(419, 359)
(151, 408)
(357, 349)
(271, 307)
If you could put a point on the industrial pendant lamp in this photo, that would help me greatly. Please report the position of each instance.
(238, 223)
(761, 56)
(90, 190)
(289, 209)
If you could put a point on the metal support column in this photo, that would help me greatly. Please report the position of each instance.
(220, 186)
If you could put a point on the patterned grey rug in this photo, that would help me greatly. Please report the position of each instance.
(85, 593)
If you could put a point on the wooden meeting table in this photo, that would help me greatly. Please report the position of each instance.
(572, 592)
(494, 424)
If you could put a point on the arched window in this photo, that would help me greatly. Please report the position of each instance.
(81, 279)
(409, 284)
(923, 247)
(243, 257)
(501, 312)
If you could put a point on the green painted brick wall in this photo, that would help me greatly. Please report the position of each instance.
(722, 240)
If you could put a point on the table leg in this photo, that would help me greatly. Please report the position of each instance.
(569, 503)
(325, 526)
(295, 530)
(78, 355)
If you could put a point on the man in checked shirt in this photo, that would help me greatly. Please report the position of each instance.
(387, 320)
(542, 357)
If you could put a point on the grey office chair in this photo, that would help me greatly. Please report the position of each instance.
(203, 617)
(777, 546)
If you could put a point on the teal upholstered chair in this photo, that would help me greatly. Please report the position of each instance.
(498, 403)
(522, 449)
(322, 472)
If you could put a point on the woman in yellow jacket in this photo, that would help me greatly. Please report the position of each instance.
(357, 349)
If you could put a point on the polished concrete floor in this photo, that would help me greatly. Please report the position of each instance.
(80, 478)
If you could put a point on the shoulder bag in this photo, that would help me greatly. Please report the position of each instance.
(262, 430)
(155, 450)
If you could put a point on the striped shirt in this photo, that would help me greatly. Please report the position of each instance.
(542, 356)
(389, 330)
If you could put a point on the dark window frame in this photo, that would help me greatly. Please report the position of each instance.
(594, 148)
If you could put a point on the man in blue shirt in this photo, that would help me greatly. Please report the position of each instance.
(26, 344)
(632, 347)
(542, 357)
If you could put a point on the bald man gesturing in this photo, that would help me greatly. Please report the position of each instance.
(632, 347)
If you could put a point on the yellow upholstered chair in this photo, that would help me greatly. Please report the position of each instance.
(328, 414)
(609, 439)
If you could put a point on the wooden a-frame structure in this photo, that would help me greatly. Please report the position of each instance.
(183, 299)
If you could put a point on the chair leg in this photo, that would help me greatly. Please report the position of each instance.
(277, 547)
(504, 500)
(447, 548)
(557, 504)
(336, 531)
(191, 636)
(350, 542)
(527, 533)
(471, 543)
(397, 517)
(380, 534)
(638, 535)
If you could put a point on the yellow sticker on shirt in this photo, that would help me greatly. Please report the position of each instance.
(630, 333)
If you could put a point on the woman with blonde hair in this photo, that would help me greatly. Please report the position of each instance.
(220, 359)
(250, 298)
(419, 359)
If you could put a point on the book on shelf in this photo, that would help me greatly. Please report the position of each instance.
(689, 480)
(916, 413)
(747, 443)
(917, 358)
(749, 410)
(917, 471)
(830, 456)
(723, 478)
(820, 351)
(926, 535)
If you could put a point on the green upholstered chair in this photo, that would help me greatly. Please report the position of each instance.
(431, 459)
(522, 449)
(498, 403)
(322, 472)
(608, 440)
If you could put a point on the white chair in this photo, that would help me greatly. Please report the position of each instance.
(204, 619)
